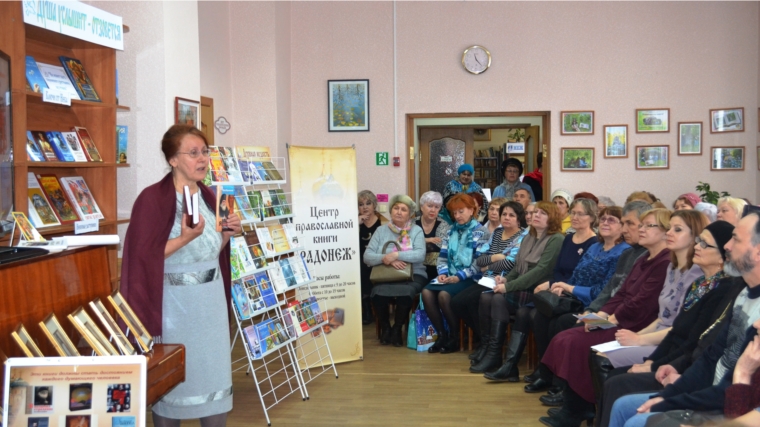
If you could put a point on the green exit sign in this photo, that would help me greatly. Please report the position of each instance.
(381, 158)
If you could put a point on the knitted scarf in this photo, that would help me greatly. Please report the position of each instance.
(460, 249)
(403, 235)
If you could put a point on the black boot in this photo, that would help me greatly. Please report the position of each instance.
(401, 317)
(574, 411)
(451, 345)
(542, 382)
(509, 371)
(532, 377)
(386, 333)
(443, 337)
(383, 319)
(600, 369)
(485, 337)
(367, 317)
(492, 359)
(396, 335)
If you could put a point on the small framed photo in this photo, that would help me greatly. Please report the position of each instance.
(652, 157)
(130, 319)
(112, 327)
(727, 120)
(187, 112)
(653, 120)
(348, 105)
(615, 141)
(25, 342)
(689, 138)
(577, 159)
(577, 122)
(55, 333)
(727, 159)
(90, 332)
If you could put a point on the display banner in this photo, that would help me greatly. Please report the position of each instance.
(75, 19)
(323, 185)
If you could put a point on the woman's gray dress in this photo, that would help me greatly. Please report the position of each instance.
(195, 314)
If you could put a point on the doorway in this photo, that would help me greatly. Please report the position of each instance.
(439, 143)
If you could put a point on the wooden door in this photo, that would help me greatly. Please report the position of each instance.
(532, 146)
(438, 164)
(207, 118)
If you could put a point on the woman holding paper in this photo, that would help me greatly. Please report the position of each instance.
(177, 280)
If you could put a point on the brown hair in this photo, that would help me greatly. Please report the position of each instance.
(459, 201)
(586, 195)
(696, 221)
(554, 225)
(615, 211)
(640, 195)
(172, 139)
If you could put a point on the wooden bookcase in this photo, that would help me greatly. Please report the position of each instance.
(18, 40)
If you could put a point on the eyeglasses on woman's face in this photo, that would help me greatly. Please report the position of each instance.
(194, 154)
(579, 214)
(704, 245)
(648, 226)
(611, 220)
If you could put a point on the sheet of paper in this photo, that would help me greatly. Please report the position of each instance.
(488, 282)
(610, 346)
(487, 193)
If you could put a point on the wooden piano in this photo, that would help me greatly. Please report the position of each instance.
(60, 283)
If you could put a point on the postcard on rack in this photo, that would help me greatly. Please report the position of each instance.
(84, 202)
(33, 149)
(77, 151)
(240, 297)
(88, 143)
(40, 212)
(44, 145)
(57, 198)
(26, 228)
(62, 150)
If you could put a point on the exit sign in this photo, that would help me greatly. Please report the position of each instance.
(381, 158)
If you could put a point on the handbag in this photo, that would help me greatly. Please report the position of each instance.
(424, 335)
(675, 418)
(387, 273)
(551, 305)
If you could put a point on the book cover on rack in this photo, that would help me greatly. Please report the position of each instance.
(216, 165)
(234, 175)
(292, 235)
(262, 172)
(243, 304)
(277, 278)
(287, 272)
(278, 328)
(308, 315)
(236, 268)
(78, 76)
(32, 149)
(272, 171)
(259, 259)
(275, 203)
(253, 340)
(122, 137)
(279, 238)
(266, 241)
(294, 308)
(39, 399)
(284, 205)
(246, 258)
(266, 203)
(57, 79)
(243, 205)
(254, 197)
(57, 198)
(315, 310)
(225, 205)
(299, 270)
(254, 294)
(45, 147)
(39, 207)
(60, 147)
(288, 320)
(265, 287)
(77, 151)
(26, 228)
(34, 76)
(84, 202)
(88, 143)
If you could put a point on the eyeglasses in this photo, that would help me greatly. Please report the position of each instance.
(513, 170)
(578, 214)
(611, 220)
(703, 244)
(649, 225)
(195, 153)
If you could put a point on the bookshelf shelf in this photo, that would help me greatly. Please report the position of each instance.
(34, 97)
(69, 165)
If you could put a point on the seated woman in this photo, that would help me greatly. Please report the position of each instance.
(511, 170)
(702, 311)
(686, 201)
(633, 307)
(562, 199)
(730, 209)
(498, 259)
(456, 270)
(535, 264)
(411, 240)
(589, 277)
(463, 184)
(435, 229)
(493, 218)
(369, 221)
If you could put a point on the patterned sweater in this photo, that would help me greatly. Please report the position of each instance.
(594, 270)
(480, 239)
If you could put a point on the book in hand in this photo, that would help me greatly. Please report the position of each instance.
(62, 150)
(78, 76)
(122, 137)
(44, 145)
(82, 198)
(57, 198)
(89, 145)
(595, 321)
(34, 76)
(265, 288)
(191, 208)
(57, 79)
(33, 149)
(610, 346)
(40, 212)
(26, 228)
(253, 340)
(77, 151)
(243, 304)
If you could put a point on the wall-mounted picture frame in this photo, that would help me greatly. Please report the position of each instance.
(144, 339)
(689, 138)
(112, 327)
(727, 158)
(652, 120)
(727, 120)
(577, 159)
(577, 122)
(57, 336)
(187, 112)
(348, 105)
(652, 157)
(25, 342)
(615, 141)
(90, 332)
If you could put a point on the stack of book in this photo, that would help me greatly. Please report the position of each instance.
(54, 146)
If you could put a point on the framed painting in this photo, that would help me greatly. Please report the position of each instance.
(348, 105)
(577, 122)
(727, 159)
(727, 120)
(615, 141)
(689, 138)
(652, 157)
(577, 159)
(653, 120)
(187, 112)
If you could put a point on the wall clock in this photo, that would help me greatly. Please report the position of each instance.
(476, 59)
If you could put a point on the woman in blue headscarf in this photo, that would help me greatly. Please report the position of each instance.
(464, 183)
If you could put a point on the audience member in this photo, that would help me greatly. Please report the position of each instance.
(562, 199)
(511, 169)
(686, 201)
(730, 209)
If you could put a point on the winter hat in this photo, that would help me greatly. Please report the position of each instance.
(691, 197)
(466, 167)
(562, 193)
(721, 232)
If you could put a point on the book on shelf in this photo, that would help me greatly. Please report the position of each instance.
(277, 278)
(225, 205)
(279, 238)
(254, 294)
(89, 145)
(44, 145)
(267, 244)
(78, 76)
(57, 198)
(122, 137)
(234, 176)
(300, 271)
(26, 228)
(34, 76)
(253, 340)
(236, 267)
(254, 198)
(33, 150)
(75, 146)
(291, 235)
(57, 79)
(216, 165)
(275, 203)
(245, 255)
(266, 203)
(271, 333)
(308, 313)
(62, 150)
(259, 259)
(271, 170)
(244, 205)
(82, 198)
(240, 297)
(262, 172)
(284, 205)
(287, 319)
(287, 272)
(40, 212)
(299, 323)
(265, 288)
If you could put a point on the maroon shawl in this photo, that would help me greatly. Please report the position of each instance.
(142, 272)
